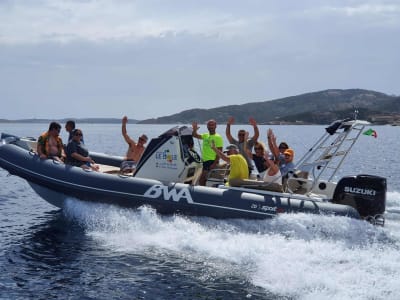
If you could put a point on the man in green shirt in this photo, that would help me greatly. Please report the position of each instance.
(210, 158)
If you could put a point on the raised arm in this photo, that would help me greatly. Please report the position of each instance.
(219, 152)
(272, 143)
(127, 138)
(231, 120)
(256, 131)
(195, 127)
(274, 168)
(248, 152)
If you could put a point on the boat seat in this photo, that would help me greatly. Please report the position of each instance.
(109, 169)
(297, 182)
(28, 143)
(193, 173)
(218, 175)
(257, 184)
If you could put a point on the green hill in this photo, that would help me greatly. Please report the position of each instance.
(311, 108)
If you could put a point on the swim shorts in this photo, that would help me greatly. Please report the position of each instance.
(128, 166)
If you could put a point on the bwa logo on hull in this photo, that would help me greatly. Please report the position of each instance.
(156, 191)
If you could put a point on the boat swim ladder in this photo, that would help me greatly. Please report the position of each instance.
(325, 158)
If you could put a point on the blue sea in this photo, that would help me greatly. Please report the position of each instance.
(96, 251)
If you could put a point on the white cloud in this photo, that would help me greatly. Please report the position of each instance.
(66, 21)
(55, 20)
(376, 10)
(191, 53)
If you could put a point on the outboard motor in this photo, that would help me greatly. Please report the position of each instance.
(366, 193)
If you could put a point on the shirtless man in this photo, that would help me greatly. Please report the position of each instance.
(135, 149)
(50, 144)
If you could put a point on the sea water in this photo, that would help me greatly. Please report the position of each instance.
(97, 251)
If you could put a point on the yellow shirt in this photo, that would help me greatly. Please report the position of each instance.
(239, 168)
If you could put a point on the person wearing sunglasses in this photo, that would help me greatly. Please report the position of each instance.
(243, 141)
(50, 144)
(259, 158)
(135, 149)
(78, 154)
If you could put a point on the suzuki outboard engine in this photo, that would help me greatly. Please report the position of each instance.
(366, 193)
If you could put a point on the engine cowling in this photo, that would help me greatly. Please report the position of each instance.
(366, 193)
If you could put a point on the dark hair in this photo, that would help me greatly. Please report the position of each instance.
(75, 130)
(283, 145)
(54, 125)
(70, 123)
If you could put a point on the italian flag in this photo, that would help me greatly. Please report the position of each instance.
(371, 132)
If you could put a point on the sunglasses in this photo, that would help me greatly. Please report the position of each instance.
(258, 148)
(142, 139)
(78, 134)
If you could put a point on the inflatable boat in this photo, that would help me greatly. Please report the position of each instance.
(166, 179)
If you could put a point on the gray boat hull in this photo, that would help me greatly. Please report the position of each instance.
(55, 182)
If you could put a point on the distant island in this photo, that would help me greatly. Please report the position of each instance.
(311, 108)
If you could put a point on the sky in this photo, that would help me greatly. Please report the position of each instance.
(149, 58)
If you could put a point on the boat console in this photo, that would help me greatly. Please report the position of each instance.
(171, 157)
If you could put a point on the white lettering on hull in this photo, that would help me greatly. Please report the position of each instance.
(265, 208)
(173, 194)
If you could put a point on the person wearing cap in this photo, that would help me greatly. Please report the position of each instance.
(135, 149)
(243, 142)
(288, 165)
(209, 157)
(239, 169)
